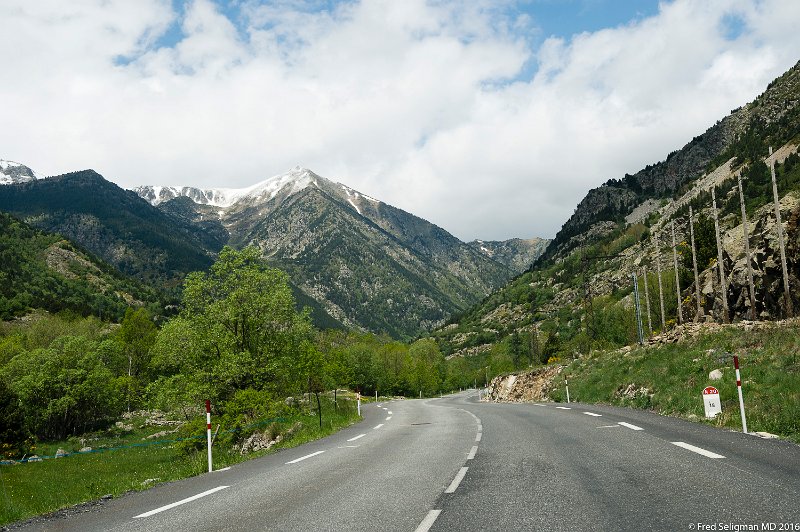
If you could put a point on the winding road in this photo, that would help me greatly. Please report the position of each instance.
(455, 464)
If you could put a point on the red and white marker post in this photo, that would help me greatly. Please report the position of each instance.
(358, 398)
(739, 388)
(208, 432)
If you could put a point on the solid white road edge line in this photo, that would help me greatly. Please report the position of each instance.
(472, 452)
(183, 501)
(697, 450)
(304, 457)
(377, 427)
(456, 481)
(632, 427)
(427, 523)
(593, 414)
(357, 437)
(223, 469)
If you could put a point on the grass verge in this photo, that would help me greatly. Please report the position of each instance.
(669, 379)
(36, 488)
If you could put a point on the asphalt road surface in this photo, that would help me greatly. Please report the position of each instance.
(456, 464)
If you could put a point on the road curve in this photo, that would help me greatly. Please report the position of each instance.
(457, 464)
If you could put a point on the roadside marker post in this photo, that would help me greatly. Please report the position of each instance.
(208, 433)
(358, 398)
(739, 388)
(566, 384)
(711, 402)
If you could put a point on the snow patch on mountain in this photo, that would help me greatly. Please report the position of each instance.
(12, 173)
(292, 182)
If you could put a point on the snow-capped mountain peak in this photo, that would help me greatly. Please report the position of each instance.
(292, 182)
(12, 173)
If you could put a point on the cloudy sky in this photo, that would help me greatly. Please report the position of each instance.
(489, 118)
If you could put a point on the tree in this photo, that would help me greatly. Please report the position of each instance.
(238, 329)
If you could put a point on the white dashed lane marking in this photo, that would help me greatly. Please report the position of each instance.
(456, 481)
(697, 450)
(304, 457)
(628, 425)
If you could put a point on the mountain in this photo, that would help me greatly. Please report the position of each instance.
(579, 295)
(366, 263)
(772, 116)
(43, 270)
(114, 224)
(516, 253)
(12, 173)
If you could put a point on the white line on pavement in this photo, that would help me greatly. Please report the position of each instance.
(697, 450)
(427, 523)
(389, 412)
(304, 457)
(223, 469)
(478, 436)
(608, 426)
(183, 501)
(388, 418)
(593, 414)
(357, 437)
(563, 408)
(377, 427)
(472, 452)
(456, 481)
(632, 427)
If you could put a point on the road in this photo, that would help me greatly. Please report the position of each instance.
(456, 464)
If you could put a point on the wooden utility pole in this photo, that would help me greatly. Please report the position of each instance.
(722, 283)
(647, 300)
(677, 279)
(747, 252)
(786, 294)
(660, 287)
(694, 265)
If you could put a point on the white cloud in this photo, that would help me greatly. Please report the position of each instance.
(410, 102)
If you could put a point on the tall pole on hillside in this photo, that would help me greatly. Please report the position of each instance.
(722, 282)
(647, 301)
(786, 294)
(694, 265)
(660, 287)
(747, 252)
(638, 309)
(677, 279)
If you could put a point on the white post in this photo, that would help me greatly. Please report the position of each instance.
(739, 388)
(208, 433)
(358, 398)
(376, 396)
(567, 385)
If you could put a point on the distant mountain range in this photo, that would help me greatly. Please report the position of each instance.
(355, 260)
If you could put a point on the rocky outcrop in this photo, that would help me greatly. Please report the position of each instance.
(534, 385)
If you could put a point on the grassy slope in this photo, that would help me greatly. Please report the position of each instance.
(676, 374)
(31, 489)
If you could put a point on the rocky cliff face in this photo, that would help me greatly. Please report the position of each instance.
(516, 253)
(774, 109)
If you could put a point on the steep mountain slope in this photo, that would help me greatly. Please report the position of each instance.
(113, 223)
(579, 295)
(774, 114)
(366, 263)
(42, 270)
(516, 253)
